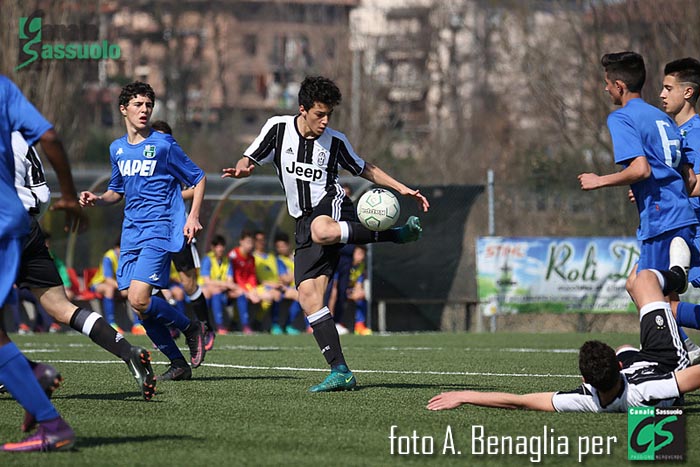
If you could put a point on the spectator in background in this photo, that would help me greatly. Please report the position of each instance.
(269, 285)
(285, 269)
(216, 278)
(243, 264)
(356, 290)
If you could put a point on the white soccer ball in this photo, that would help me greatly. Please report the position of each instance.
(378, 209)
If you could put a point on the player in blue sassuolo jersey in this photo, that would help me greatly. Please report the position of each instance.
(308, 155)
(18, 114)
(647, 144)
(148, 169)
(679, 97)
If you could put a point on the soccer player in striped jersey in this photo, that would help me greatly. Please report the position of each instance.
(148, 169)
(679, 97)
(307, 155)
(656, 375)
(18, 114)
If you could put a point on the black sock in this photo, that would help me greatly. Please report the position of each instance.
(326, 336)
(98, 329)
(358, 234)
(201, 310)
(675, 279)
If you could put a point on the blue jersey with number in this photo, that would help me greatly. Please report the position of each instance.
(639, 129)
(690, 131)
(149, 175)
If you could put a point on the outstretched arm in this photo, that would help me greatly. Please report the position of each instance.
(90, 199)
(638, 170)
(535, 401)
(376, 175)
(244, 167)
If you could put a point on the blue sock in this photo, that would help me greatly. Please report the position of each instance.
(275, 312)
(108, 309)
(161, 310)
(242, 303)
(217, 308)
(361, 311)
(19, 380)
(294, 310)
(160, 335)
(180, 306)
(688, 315)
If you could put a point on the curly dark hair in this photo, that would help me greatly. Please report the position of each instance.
(627, 67)
(134, 89)
(319, 89)
(598, 365)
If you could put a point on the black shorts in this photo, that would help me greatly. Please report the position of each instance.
(37, 269)
(661, 344)
(312, 260)
(186, 259)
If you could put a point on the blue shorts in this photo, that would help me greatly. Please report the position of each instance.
(654, 251)
(149, 265)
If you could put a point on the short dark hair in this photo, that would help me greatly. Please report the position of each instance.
(162, 126)
(319, 89)
(627, 67)
(246, 234)
(218, 240)
(134, 89)
(281, 237)
(686, 70)
(598, 365)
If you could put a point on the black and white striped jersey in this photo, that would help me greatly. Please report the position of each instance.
(307, 168)
(30, 181)
(642, 387)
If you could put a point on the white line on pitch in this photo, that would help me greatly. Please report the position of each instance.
(325, 370)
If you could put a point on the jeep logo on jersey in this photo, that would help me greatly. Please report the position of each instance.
(149, 151)
(305, 172)
(136, 167)
(321, 158)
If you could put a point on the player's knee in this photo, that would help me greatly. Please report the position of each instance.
(139, 302)
(325, 231)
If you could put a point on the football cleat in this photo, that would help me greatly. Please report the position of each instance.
(411, 231)
(340, 379)
(49, 379)
(54, 435)
(209, 340)
(195, 341)
(140, 367)
(179, 371)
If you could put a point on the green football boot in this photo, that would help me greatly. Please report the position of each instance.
(340, 379)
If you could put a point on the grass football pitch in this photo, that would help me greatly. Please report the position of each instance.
(249, 405)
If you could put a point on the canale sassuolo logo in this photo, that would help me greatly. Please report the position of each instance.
(67, 42)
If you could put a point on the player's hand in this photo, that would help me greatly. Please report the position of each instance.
(422, 201)
(446, 400)
(76, 220)
(87, 199)
(589, 181)
(192, 228)
(243, 169)
(630, 196)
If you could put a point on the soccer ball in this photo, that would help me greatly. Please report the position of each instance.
(378, 209)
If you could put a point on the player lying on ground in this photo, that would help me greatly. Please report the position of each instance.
(656, 375)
